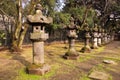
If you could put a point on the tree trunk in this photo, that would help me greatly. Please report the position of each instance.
(19, 33)
(22, 35)
(18, 25)
(84, 17)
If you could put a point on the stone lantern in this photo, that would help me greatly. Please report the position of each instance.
(103, 37)
(113, 35)
(71, 35)
(106, 37)
(99, 36)
(38, 36)
(86, 48)
(110, 35)
(95, 36)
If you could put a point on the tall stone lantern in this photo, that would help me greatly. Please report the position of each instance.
(86, 48)
(71, 35)
(95, 37)
(38, 36)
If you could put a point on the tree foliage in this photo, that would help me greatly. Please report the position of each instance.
(90, 11)
(9, 7)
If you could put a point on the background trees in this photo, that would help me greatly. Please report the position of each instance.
(103, 12)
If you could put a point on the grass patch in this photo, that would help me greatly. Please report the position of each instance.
(56, 51)
(5, 54)
(85, 77)
(84, 58)
(101, 68)
(59, 65)
(112, 58)
(22, 75)
(87, 56)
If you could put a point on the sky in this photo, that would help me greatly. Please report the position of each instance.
(23, 4)
(59, 5)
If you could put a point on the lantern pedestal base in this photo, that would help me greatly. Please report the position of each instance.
(94, 47)
(99, 45)
(38, 69)
(86, 49)
(75, 57)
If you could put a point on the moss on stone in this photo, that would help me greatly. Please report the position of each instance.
(34, 66)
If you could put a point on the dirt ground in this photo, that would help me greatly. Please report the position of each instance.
(12, 63)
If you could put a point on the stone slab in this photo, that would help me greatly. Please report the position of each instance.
(109, 62)
(97, 75)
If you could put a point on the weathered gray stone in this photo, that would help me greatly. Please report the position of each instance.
(108, 36)
(106, 39)
(97, 75)
(109, 62)
(95, 40)
(95, 46)
(38, 52)
(113, 35)
(99, 36)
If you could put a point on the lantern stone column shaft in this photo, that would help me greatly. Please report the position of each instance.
(99, 39)
(38, 52)
(72, 45)
(87, 42)
(95, 40)
(106, 39)
(113, 35)
(102, 37)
